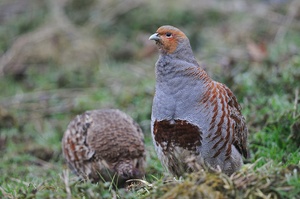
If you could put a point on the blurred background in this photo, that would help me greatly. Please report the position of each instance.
(59, 58)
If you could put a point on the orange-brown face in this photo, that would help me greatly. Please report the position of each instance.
(167, 38)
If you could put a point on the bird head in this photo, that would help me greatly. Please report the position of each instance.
(130, 169)
(169, 39)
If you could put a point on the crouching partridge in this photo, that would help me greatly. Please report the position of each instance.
(105, 145)
(193, 117)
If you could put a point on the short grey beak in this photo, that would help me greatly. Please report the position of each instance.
(154, 37)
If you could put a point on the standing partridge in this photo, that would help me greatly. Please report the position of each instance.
(192, 115)
(105, 145)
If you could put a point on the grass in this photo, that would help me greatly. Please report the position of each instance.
(37, 102)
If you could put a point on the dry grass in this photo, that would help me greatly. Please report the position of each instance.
(263, 182)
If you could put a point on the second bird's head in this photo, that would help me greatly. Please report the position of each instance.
(170, 39)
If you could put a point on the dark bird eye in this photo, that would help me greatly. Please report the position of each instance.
(168, 34)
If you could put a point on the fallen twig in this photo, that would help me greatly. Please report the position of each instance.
(65, 178)
(292, 12)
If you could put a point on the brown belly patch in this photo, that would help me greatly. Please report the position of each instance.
(177, 133)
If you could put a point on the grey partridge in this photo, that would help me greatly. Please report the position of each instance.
(105, 145)
(193, 116)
